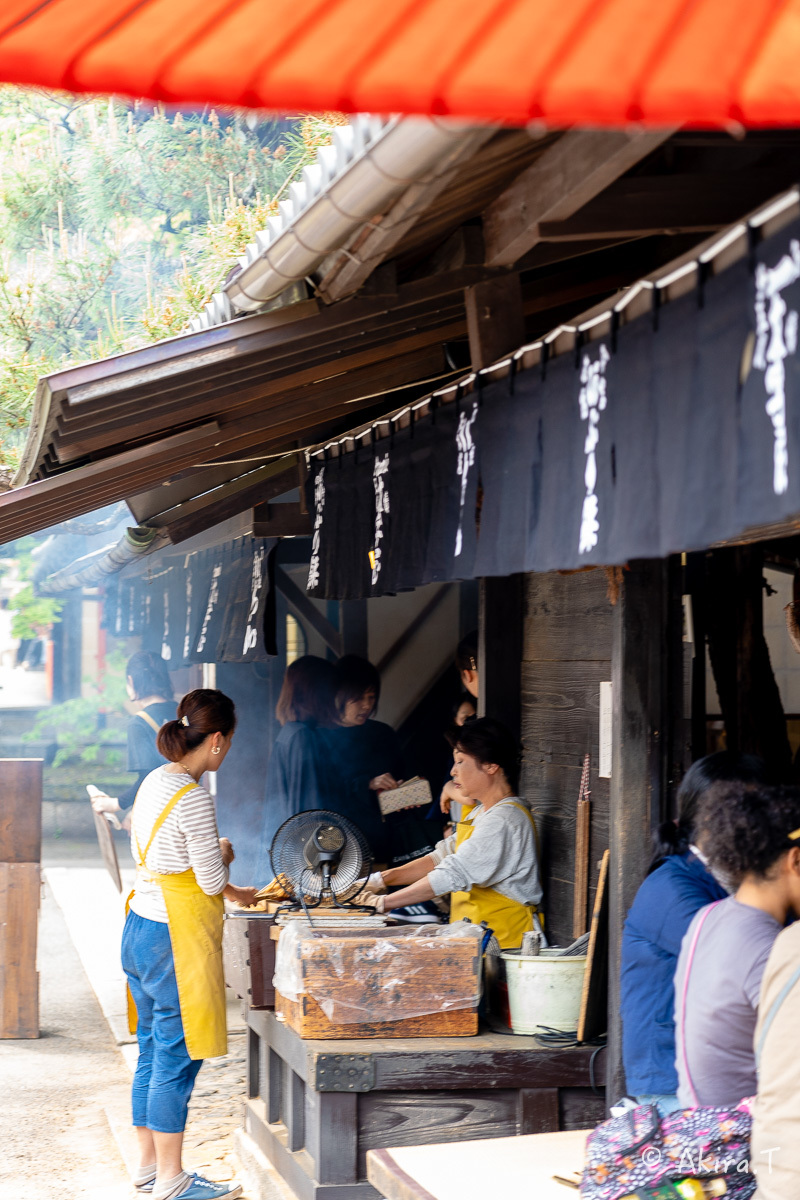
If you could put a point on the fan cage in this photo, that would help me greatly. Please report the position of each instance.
(301, 881)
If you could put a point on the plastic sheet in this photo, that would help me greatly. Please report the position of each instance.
(383, 975)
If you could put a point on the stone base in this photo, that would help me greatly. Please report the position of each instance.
(260, 1178)
(68, 819)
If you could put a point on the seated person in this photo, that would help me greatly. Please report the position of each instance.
(677, 886)
(746, 831)
(490, 866)
(775, 1146)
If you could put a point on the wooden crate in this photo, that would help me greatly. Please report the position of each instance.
(348, 969)
(308, 1020)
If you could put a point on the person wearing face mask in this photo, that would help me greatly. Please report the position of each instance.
(150, 688)
(364, 753)
(489, 867)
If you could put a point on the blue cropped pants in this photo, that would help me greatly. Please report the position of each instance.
(165, 1074)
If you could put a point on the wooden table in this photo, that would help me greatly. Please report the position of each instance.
(507, 1167)
(316, 1108)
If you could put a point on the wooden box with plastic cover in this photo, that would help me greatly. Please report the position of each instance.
(393, 982)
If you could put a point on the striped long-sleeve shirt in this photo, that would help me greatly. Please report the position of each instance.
(188, 838)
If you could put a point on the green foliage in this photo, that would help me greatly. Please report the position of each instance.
(33, 615)
(88, 729)
(118, 221)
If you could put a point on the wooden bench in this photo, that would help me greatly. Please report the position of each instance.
(316, 1108)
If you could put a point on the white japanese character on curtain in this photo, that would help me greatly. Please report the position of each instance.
(776, 339)
(592, 400)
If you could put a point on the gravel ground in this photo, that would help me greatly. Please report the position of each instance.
(55, 1137)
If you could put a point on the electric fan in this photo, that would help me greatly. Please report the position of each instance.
(320, 857)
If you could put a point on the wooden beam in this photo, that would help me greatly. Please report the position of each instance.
(577, 168)
(639, 747)
(307, 611)
(643, 205)
(495, 320)
(220, 503)
(347, 269)
(281, 520)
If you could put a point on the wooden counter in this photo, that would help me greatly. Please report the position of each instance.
(316, 1108)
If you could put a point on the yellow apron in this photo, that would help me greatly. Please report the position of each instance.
(508, 918)
(195, 930)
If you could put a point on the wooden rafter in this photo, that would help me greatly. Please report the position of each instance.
(577, 168)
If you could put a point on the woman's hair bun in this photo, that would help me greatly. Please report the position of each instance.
(200, 713)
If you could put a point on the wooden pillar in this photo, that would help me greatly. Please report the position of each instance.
(20, 884)
(496, 326)
(353, 627)
(748, 694)
(638, 761)
(501, 612)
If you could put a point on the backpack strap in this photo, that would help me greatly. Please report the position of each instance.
(773, 1012)
(151, 721)
(684, 992)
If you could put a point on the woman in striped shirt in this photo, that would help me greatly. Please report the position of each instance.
(172, 942)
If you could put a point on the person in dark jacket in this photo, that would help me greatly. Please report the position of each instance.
(678, 885)
(364, 753)
(299, 777)
(150, 687)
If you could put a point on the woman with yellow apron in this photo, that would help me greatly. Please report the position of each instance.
(172, 941)
(490, 865)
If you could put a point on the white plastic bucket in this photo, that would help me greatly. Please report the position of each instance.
(544, 990)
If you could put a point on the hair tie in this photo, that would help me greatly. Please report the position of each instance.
(185, 721)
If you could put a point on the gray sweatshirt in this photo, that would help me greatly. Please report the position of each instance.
(500, 854)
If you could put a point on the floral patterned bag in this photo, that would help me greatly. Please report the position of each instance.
(640, 1149)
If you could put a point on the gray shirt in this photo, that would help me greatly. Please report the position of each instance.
(721, 1003)
(500, 854)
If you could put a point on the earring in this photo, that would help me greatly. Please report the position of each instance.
(215, 749)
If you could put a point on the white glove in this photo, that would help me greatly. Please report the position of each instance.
(375, 883)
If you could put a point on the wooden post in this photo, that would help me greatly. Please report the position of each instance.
(20, 883)
(495, 320)
(353, 627)
(496, 326)
(639, 748)
(501, 611)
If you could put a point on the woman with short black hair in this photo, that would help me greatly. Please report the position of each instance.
(490, 865)
(365, 755)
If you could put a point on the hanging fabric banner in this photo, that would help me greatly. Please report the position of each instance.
(247, 589)
(680, 432)
(209, 613)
